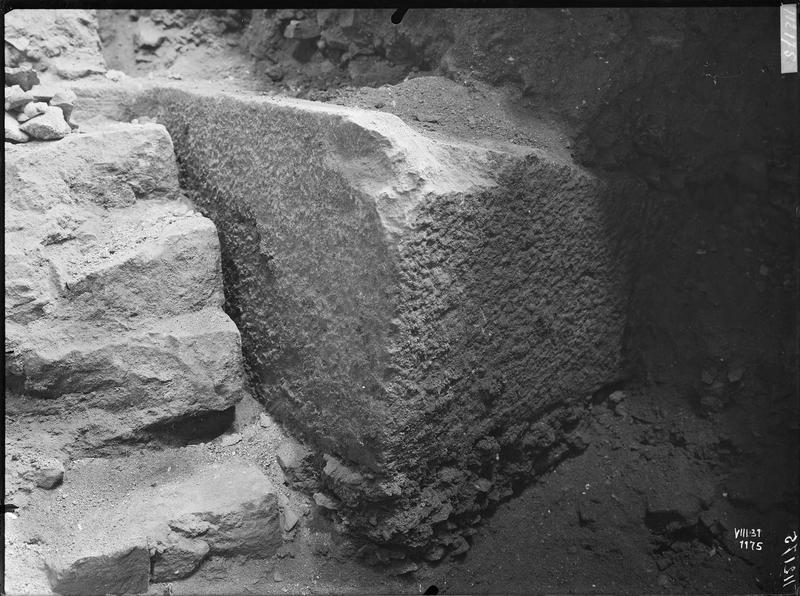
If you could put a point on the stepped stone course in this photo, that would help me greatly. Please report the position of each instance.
(113, 293)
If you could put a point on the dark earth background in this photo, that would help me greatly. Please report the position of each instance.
(684, 111)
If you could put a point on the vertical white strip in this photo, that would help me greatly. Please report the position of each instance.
(788, 38)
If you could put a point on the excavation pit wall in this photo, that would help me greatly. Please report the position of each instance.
(430, 314)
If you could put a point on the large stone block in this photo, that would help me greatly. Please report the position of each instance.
(168, 368)
(112, 167)
(408, 304)
(167, 515)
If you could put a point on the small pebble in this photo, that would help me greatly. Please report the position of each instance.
(735, 375)
(290, 520)
(616, 397)
(229, 440)
(115, 75)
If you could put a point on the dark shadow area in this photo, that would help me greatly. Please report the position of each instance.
(190, 430)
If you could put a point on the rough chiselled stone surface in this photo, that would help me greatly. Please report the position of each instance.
(120, 572)
(178, 557)
(409, 305)
(169, 517)
(113, 291)
(297, 463)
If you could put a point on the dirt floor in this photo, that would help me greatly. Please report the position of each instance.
(700, 441)
(638, 512)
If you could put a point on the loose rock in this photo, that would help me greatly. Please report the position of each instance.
(64, 99)
(401, 568)
(148, 35)
(43, 92)
(229, 440)
(48, 126)
(735, 374)
(435, 553)
(711, 403)
(115, 75)
(12, 130)
(16, 97)
(616, 397)
(424, 117)
(180, 558)
(305, 29)
(324, 501)
(49, 474)
(289, 519)
(708, 377)
(284, 551)
(190, 525)
(32, 110)
(460, 546)
(484, 485)
(295, 461)
(26, 78)
(64, 42)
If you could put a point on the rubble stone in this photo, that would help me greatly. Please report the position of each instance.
(305, 29)
(237, 501)
(178, 557)
(12, 130)
(16, 98)
(48, 126)
(48, 474)
(62, 41)
(289, 519)
(43, 92)
(324, 501)
(295, 461)
(64, 99)
(148, 35)
(32, 110)
(26, 78)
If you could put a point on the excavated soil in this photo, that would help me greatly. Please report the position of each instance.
(682, 113)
